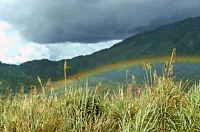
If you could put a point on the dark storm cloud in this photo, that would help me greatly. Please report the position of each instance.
(89, 21)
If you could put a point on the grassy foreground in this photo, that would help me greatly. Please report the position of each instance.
(160, 105)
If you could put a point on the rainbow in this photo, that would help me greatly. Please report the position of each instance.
(130, 63)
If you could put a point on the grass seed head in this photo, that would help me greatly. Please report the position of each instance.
(138, 91)
(99, 85)
(133, 80)
(21, 90)
(77, 77)
(66, 65)
(148, 65)
(174, 51)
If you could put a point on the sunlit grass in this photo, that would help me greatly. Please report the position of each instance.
(160, 104)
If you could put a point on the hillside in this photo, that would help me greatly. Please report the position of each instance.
(183, 35)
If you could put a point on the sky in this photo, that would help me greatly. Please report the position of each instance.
(63, 29)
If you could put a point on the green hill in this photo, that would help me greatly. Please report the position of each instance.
(183, 35)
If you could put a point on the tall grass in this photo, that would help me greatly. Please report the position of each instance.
(160, 104)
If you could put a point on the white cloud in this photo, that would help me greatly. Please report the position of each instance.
(70, 50)
(15, 50)
(7, 1)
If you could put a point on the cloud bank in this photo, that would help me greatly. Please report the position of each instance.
(15, 50)
(91, 21)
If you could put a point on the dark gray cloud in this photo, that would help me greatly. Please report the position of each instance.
(89, 21)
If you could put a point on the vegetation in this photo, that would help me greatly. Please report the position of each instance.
(160, 104)
(184, 35)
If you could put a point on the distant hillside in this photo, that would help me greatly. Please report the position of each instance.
(184, 35)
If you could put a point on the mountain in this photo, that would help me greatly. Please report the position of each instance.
(183, 35)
